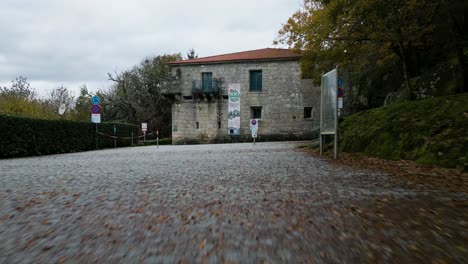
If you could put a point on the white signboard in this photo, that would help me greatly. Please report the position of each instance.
(254, 127)
(234, 109)
(329, 109)
(329, 102)
(144, 127)
(254, 133)
(340, 102)
(95, 118)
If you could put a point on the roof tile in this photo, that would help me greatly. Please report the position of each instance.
(268, 54)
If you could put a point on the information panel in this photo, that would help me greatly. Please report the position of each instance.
(329, 103)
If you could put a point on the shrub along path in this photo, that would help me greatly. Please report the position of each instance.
(432, 131)
(221, 203)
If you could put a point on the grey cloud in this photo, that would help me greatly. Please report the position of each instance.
(79, 41)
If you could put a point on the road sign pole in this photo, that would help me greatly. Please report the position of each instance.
(132, 138)
(144, 128)
(97, 136)
(157, 139)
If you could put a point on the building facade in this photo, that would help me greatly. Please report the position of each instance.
(265, 84)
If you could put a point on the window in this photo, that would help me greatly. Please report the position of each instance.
(207, 81)
(219, 125)
(256, 80)
(256, 112)
(308, 112)
(178, 73)
(198, 125)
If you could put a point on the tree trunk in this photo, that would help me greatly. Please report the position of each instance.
(463, 71)
(405, 69)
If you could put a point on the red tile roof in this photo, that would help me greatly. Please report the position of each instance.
(267, 54)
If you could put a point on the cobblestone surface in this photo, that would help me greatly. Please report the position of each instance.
(235, 203)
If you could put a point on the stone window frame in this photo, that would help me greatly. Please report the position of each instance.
(253, 113)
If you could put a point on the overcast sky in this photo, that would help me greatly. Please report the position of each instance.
(72, 42)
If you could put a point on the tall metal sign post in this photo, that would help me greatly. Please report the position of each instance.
(96, 115)
(329, 109)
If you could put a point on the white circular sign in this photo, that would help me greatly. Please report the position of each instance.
(62, 109)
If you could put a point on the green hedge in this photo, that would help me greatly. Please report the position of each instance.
(22, 136)
(248, 138)
(431, 131)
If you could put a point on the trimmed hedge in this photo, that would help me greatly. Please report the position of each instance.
(248, 138)
(431, 131)
(22, 136)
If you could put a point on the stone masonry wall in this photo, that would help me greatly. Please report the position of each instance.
(283, 98)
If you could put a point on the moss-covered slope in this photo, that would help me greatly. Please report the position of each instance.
(431, 131)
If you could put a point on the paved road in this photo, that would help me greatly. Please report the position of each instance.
(219, 203)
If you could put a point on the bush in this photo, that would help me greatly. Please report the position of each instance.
(430, 131)
(248, 138)
(22, 136)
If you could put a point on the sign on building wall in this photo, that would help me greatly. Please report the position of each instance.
(234, 109)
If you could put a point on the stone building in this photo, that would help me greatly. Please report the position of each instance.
(265, 84)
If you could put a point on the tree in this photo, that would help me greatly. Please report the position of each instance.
(382, 43)
(191, 54)
(136, 94)
(454, 17)
(82, 109)
(21, 99)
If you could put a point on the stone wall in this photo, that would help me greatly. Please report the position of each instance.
(283, 98)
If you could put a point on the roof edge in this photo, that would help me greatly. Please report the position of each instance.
(187, 63)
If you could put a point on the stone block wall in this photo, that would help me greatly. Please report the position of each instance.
(283, 98)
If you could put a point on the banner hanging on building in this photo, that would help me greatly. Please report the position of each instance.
(234, 109)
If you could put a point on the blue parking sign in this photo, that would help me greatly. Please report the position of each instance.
(95, 100)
